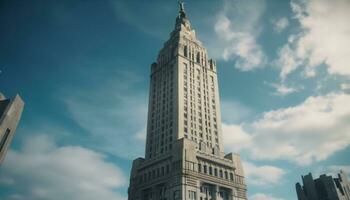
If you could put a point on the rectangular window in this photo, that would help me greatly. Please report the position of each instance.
(192, 195)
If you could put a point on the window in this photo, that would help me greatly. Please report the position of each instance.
(210, 171)
(167, 169)
(205, 169)
(192, 195)
(199, 167)
(185, 51)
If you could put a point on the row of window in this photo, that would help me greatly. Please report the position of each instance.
(155, 173)
(213, 171)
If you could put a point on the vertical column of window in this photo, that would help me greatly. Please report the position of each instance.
(168, 108)
(159, 111)
(153, 114)
(205, 99)
(163, 109)
(185, 91)
(213, 107)
(166, 119)
(205, 103)
(171, 113)
(194, 105)
(190, 99)
(199, 101)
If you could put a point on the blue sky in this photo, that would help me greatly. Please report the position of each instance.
(82, 68)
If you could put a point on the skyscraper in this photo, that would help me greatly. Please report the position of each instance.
(10, 114)
(324, 188)
(184, 156)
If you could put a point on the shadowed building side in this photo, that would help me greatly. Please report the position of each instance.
(324, 188)
(10, 114)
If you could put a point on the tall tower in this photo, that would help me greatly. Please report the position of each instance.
(184, 155)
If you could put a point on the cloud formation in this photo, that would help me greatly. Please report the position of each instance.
(264, 175)
(262, 196)
(324, 38)
(236, 138)
(283, 90)
(234, 111)
(280, 24)
(306, 133)
(43, 170)
(238, 30)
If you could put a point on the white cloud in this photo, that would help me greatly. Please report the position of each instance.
(238, 31)
(264, 175)
(280, 24)
(261, 196)
(308, 132)
(141, 135)
(345, 86)
(335, 169)
(236, 138)
(283, 90)
(234, 111)
(287, 61)
(43, 170)
(324, 38)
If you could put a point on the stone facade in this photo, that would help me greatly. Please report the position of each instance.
(10, 114)
(184, 155)
(324, 188)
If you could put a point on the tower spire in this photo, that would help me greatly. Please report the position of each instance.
(182, 12)
(182, 6)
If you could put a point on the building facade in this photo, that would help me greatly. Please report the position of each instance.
(10, 114)
(184, 155)
(324, 188)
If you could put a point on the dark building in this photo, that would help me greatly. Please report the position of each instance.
(324, 188)
(10, 114)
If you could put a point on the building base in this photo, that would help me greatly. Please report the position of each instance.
(187, 173)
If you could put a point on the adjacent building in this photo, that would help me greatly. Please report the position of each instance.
(184, 155)
(324, 188)
(10, 114)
